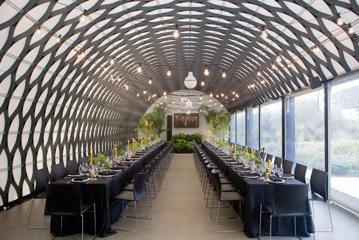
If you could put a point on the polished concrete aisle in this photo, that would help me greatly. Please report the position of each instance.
(178, 213)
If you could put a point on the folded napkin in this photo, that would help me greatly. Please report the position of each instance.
(275, 178)
(287, 176)
(250, 174)
(107, 173)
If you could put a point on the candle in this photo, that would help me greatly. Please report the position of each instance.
(90, 156)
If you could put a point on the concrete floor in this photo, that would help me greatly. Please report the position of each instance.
(178, 213)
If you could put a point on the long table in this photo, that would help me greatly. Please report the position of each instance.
(101, 191)
(256, 191)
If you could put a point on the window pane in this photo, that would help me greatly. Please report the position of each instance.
(271, 128)
(241, 128)
(233, 128)
(252, 128)
(344, 142)
(305, 129)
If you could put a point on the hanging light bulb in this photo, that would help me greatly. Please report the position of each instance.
(139, 68)
(202, 83)
(38, 30)
(259, 74)
(144, 92)
(206, 71)
(169, 73)
(164, 93)
(339, 20)
(350, 29)
(112, 61)
(315, 49)
(138, 95)
(150, 81)
(278, 59)
(82, 18)
(58, 39)
(264, 33)
(224, 74)
(176, 32)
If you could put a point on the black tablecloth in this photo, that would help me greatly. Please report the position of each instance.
(101, 191)
(256, 191)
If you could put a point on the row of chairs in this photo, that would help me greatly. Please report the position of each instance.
(73, 205)
(145, 185)
(215, 185)
(318, 181)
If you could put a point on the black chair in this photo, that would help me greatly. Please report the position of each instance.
(278, 162)
(227, 195)
(58, 171)
(269, 157)
(299, 172)
(294, 204)
(319, 191)
(72, 167)
(135, 194)
(287, 166)
(41, 181)
(66, 200)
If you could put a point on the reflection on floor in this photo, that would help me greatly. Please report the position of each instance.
(178, 213)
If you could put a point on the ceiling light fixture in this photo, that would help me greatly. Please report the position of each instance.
(206, 71)
(139, 68)
(264, 33)
(150, 81)
(202, 83)
(82, 18)
(176, 32)
(350, 29)
(190, 81)
(169, 73)
(339, 20)
(224, 74)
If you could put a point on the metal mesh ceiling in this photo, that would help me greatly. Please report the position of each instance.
(68, 68)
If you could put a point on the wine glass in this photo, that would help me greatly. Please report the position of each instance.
(280, 172)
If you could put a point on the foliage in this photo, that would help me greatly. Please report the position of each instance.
(188, 137)
(219, 121)
(182, 146)
(100, 160)
(183, 142)
(150, 124)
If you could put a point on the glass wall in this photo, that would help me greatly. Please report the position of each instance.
(253, 128)
(241, 128)
(271, 128)
(305, 129)
(344, 142)
(232, 136)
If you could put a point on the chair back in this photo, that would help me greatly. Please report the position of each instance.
(299, 172)
(287, 166)
(216, 182)
(290, 199)
(72, 167)
(41, 180)
(269, 157)
(319, 183)
(278, 161)
(139, 185)
(58, 171)
(63, 199)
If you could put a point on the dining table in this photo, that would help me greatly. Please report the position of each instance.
(257, 190)
(101, 191)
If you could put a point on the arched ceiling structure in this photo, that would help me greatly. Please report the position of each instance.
(68, 78)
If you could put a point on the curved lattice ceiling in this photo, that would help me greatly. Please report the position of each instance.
(68, 69)
(105, 41)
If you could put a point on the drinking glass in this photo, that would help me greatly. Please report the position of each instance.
(280, 172)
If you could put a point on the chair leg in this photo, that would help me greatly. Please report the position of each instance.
(82, 227)
(260, 222)
(270, 226)
(218, 208)
(137, 224)
(330, 218)
(94, 218)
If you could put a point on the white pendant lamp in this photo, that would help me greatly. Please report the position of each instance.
(190, 81)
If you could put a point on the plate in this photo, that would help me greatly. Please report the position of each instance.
(276, 182)
(80, 180)
(288, 176)
(75, 175)
(250, 176)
